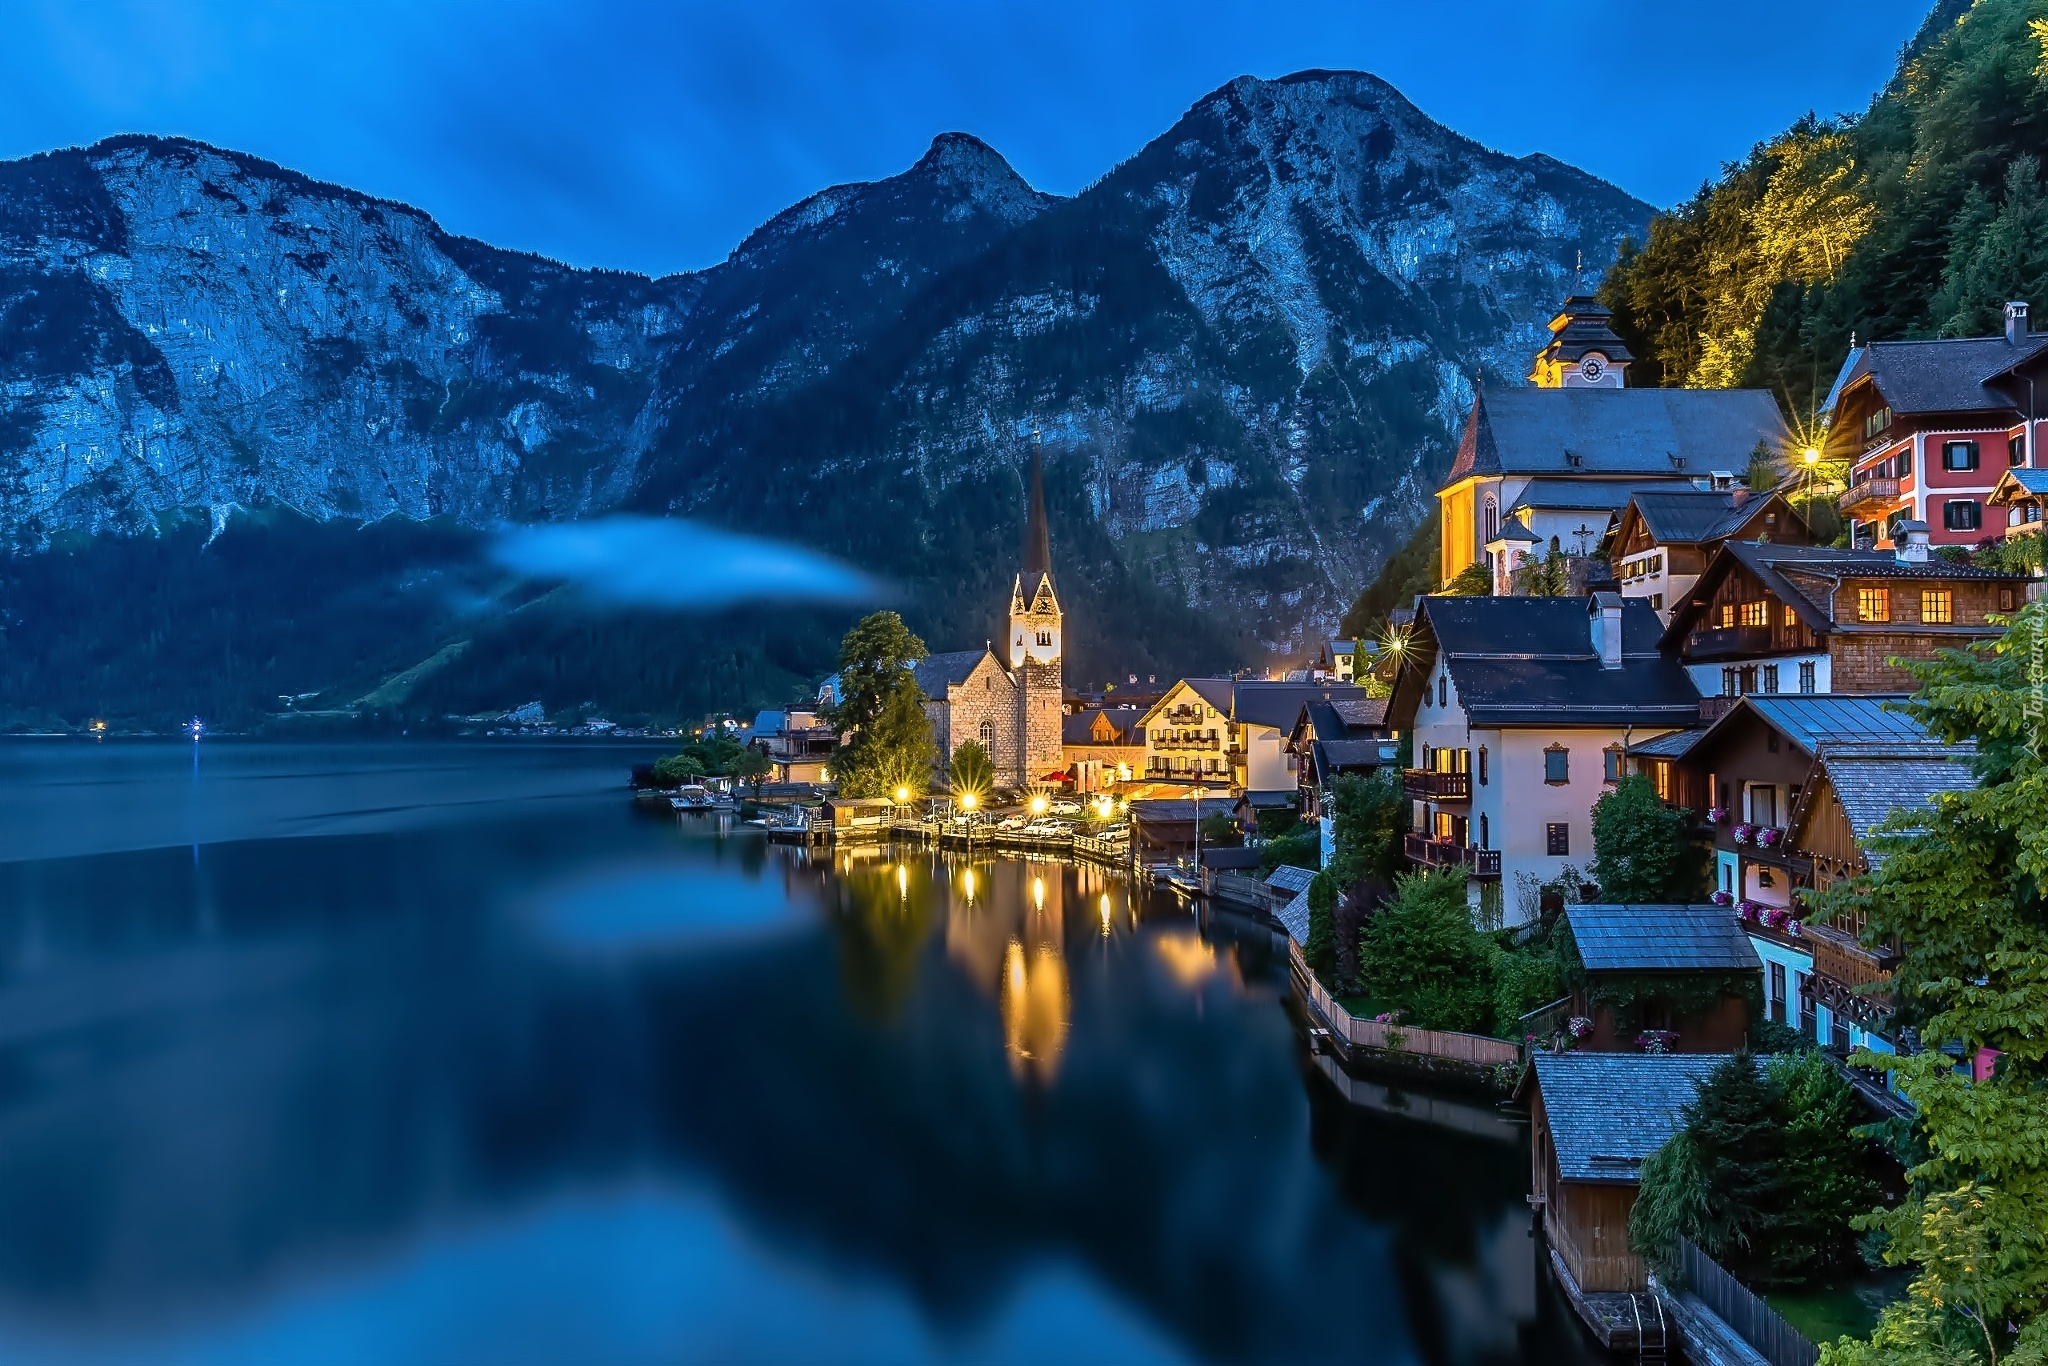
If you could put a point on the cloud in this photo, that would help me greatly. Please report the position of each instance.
(671, 564)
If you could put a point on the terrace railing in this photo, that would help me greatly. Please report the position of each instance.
(1755, 1322)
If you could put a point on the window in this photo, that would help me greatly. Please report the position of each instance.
(1656, 602)
(1937, 607)
(2005, 598)
(1482, 765)
(1873, 604)
(1778, 992)
(1959, 455)
(1749, 679)
(1902, 464)
(1730, 687)
(1557, 765)
(1763, 804)
(1806, 678)
(1961, 514)
(1770, 678)
(1877, 422)
(1045, 638)
(1756, 614)
(2016, 451)
(1611, 764)
(1485, 832)
(988, 736)
(1558, 837)
(1443, 690)
(1727, 615)
(1791, 618)
(1492, 520)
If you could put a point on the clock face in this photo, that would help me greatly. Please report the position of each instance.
(1593, 366)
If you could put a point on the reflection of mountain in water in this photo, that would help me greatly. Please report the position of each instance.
(218, 1069)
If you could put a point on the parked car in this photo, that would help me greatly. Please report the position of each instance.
(1065, 807)
(1013, 822)
(1048, 829)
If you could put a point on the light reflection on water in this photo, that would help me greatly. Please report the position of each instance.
(529, 1078)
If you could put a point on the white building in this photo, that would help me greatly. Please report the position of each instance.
(1519, 709)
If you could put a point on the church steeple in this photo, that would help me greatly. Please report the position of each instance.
(1034, 604)
(1583, 352)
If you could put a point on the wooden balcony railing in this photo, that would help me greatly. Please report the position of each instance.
(1431, 853)
(1426, 784)
(1870, 491)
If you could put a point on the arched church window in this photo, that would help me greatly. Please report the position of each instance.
(1492, 519)
(988, 736)
(1045, 638)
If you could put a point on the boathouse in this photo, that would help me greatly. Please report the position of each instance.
(1678, 979)
(1593, 1118)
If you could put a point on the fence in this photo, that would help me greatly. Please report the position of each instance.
(1427, 1043)
(1777, 1341)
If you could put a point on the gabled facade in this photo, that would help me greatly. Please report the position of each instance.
(2017, 501)
(1519, 709)
(1926, 429)
(1100, 747)
(1770, 619)
(1183, 735)
(1682, 975)
(1661, 542)
(1553, 460)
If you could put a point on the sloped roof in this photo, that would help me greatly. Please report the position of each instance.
(1871, 787)
(1259, 703)
(1294, 915)
(935, 673)
(1331, 757)
(1812, 720)
(1938, 375)
(1290, 878)
(2021, 482)
(1672, 746)
(769, 722)
(1530, 661)
(1573, 495)
(1370, 712)
(1609, 1111)
(1660, 938)
(1690, 516)
(1078, 728)
(1615, 432)
(1781, 567)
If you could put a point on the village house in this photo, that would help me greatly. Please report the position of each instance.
(1231, 733)
(1927, 428)
(1769, 619)
(1347, 735)
(1182, 734)
(2016, 502)
(1663, 539)
(1101, 748)
(1555, 462)
(1519, 711)
(1672, 979)
(1593, 1119)
(1262, 719)
(798, 743)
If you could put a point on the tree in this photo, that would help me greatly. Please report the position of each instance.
(885, 738)
(1367, 814)
(1473, 581)
(750, 766)
(1420, 955)
(1549, 577)
(971, 771)
(1409, 571)
(676, 769)
(1959, 887)
(1641, 854)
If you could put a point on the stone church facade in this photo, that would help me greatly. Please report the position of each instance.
(1013, 705)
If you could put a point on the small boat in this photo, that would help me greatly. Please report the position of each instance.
(697, 798)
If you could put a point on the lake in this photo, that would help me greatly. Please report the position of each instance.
(444, 1052)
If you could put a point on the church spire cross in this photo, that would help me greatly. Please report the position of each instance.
(1037, 539)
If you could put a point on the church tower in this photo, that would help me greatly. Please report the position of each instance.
(1034, 636)
(1583, 352)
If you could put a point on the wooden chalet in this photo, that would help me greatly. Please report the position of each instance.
(1687, 972)
(2015, 504)
(1768, 618)
(1333, 737)
(1594, 1118)
(1663, 540)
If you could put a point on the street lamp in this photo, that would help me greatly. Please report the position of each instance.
(1038, 806)
(902, 796)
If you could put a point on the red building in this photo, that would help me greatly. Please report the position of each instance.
(1927, 428)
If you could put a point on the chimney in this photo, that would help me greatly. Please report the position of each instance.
(1909, 538)
(2015, 322)
(1603, 613)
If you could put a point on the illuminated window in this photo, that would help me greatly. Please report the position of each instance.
(1756, 614)
(1936, 606)
(1611, 764)
(1877, 422)
(1873, 604)
(1791, 617)
(1558, 837)
(1727, 615)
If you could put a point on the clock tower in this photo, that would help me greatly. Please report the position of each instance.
(1034, 641)
(1584, 352)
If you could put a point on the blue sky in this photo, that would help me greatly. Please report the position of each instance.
(654, 136)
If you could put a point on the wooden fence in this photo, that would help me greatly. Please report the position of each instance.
(1427, 1043)
(1755, 1322)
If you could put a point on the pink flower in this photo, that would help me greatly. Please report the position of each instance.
(1717, 814)
(1724, 898)
(1743, 832)
(1580, 1026)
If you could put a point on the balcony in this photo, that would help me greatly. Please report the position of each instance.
(1428, 785)
(1728, 642)
(1429, 853)
(1875, 492)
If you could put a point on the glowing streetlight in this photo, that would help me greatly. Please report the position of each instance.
(1038, 806)
(967, 801)
(902, 795)
(1812, 456)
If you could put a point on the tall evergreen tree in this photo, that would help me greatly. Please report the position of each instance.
(1641, 854)
(885, 738)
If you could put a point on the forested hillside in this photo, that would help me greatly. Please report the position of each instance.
(1919, 217)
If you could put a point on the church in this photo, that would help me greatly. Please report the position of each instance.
(1013, 708)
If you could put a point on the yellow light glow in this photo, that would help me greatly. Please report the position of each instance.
(967, 885)
(1187, 957)
(1038, 892)
(1105, 913)
(902, 795)
(902, 882)
(967, 801)
(1038, 806)
(1812, 456)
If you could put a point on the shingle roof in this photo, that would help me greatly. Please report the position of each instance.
(1672, 746)
(1294, 915)
(1610, 432)
(1660, 938)
(1331, 757)
(1610, 495)
(1530, 661)
(1214, 691)
(1799, 576)
(1871, 788)
(1279, 705)
(1078, 728)
(1690, 516)
(935, 673)
(1368, 712)
(1609, 1111)
(1945, 375)
(1290, 878)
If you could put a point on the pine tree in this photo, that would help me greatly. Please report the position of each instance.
(1641, 855)
(1736, 1127)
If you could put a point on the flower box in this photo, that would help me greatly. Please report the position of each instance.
(1724, 898)
(1743, 832)
(1717, 814)
(1656, 1040)
(1768, 836)
(1580, 1026)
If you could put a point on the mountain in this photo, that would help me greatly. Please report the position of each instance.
(1246, 349)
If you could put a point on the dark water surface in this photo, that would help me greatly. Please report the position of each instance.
(443, 1053)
